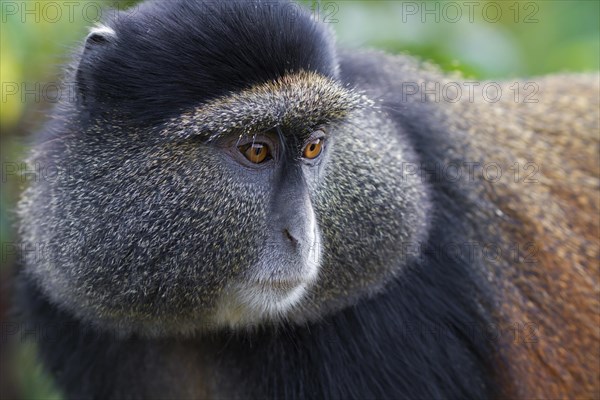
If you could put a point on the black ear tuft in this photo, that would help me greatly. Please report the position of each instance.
(100, 35)
(95, 44)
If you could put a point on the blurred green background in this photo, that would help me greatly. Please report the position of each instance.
(481, 39)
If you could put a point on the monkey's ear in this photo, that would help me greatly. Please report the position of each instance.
(97, 42)
(99, 35)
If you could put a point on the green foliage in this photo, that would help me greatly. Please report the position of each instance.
(487, 40)
(33, 381)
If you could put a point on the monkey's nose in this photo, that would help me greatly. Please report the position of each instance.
(290, 237)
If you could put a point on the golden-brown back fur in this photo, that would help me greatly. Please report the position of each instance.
(550, 312)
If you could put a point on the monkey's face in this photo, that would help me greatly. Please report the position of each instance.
(281, 201)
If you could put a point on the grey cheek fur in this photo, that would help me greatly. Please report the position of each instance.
(373, 215)
(139, 236)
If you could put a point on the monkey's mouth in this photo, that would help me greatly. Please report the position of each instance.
(270, 294)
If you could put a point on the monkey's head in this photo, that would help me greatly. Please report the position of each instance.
(214, 171)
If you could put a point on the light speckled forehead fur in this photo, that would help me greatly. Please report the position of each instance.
(304, 99)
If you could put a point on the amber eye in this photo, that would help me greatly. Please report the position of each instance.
(255, 152)
(313, 149)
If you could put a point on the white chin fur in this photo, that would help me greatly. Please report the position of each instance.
(247, 305)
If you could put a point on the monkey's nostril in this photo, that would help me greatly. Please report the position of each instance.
(291, 238)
